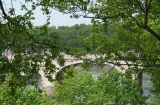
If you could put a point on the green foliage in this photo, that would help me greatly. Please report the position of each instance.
(23, 96)
(130, 34)
(69, 36)
(76, 90)
(155, 77)
(110, 88)
(153, 100)
(137, 12)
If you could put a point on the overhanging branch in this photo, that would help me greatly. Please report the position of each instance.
(2, 9)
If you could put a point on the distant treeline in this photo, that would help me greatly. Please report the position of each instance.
(81, 36)
(68, 36)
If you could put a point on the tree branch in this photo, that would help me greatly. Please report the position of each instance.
(104, 17)
(146, 12)
(147, 28)
(29, 35)
(2, 9)
(151, 31)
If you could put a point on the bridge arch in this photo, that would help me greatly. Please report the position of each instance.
(59, 73)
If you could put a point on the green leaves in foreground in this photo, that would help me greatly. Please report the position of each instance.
(23, 96)
(111, 88)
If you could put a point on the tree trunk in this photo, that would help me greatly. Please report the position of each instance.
(140, 78)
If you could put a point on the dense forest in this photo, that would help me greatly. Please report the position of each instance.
(124, 33)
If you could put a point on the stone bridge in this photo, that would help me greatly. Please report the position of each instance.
(70, 60)
(47, 85)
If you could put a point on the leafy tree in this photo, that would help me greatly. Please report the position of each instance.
(22, 96)
(136, 39)
(110, 88)
(24, 47)
(138, 21)
(139, 12)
